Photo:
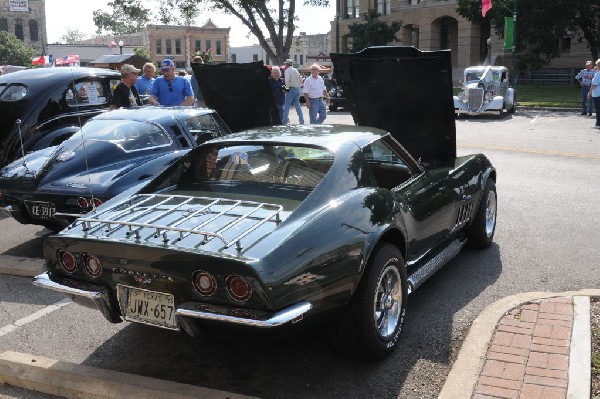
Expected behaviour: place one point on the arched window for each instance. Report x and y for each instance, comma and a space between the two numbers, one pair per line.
19, 29
33, 30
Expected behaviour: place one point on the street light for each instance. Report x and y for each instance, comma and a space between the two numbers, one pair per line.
121, 46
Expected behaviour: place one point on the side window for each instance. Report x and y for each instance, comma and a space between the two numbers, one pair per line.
388, 168
87, 92
378, 151
203, 128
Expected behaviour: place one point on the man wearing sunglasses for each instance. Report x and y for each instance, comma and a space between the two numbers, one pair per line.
170, 89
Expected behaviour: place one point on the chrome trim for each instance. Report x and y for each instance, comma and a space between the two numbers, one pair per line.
291, 314
490, 214
434, 264
94, 294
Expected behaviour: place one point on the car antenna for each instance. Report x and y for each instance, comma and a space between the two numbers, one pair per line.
18, 122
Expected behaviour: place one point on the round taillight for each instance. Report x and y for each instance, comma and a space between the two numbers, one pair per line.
204, 283
82, 202
92, 265
67, 261
238, 288
97, 202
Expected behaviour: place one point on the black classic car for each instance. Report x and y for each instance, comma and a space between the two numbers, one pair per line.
111, 153
276, 227
51, 102
337, 99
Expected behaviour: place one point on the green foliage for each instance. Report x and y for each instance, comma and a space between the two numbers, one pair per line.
372, 32
178, 12
73, 36
596, 356
541, 25
142, 52
205, 55
128, 16
13, 51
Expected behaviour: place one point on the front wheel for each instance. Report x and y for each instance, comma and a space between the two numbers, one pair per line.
371, 324
481, 232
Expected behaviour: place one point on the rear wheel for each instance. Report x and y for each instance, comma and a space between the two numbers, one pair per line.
513, 108
333, 107
371, 324
481, 232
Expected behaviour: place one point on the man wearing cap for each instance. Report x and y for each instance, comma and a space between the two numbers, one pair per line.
292, 82
125, 94
584, 77
170, 89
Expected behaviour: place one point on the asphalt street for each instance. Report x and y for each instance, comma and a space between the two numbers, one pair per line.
546, 240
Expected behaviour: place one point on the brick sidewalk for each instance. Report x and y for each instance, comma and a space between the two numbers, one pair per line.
528, 357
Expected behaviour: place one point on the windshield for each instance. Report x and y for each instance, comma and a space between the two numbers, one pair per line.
129, 135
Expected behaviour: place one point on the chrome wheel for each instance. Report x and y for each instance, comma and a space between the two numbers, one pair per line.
387, 303
490, 214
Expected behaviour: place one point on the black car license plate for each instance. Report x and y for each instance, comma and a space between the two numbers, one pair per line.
41, 210
149, 307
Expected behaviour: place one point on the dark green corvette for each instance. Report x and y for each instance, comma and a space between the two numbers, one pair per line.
276, 226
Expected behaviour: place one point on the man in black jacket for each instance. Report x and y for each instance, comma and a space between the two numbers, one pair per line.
126, 95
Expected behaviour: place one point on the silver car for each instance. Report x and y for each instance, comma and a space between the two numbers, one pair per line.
486, 88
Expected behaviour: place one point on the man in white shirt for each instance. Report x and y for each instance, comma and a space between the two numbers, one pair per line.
316, 95
292, 82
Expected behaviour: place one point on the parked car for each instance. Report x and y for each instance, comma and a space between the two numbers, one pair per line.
57, 98
109, 154
486, 89
336, 97
277, 227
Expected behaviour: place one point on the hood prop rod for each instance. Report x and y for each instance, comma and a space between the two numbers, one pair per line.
18, 122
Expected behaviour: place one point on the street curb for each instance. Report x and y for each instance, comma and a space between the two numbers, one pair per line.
75, 381
19, 266
465, 372
580, 359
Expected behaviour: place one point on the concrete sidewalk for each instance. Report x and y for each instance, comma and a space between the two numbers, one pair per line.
526, 346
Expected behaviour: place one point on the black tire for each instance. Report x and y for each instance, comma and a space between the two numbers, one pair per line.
333, 108
513, 108
369, 327
481, 232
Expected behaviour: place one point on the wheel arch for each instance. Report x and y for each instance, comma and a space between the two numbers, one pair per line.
391, 235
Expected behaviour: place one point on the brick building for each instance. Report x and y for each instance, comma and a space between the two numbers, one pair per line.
26, 19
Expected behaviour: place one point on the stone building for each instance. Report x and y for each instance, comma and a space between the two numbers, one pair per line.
308, 49
26, 19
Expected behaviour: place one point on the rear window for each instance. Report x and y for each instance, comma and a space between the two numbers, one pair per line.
13, 92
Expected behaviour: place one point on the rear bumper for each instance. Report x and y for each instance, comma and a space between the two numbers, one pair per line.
91, 295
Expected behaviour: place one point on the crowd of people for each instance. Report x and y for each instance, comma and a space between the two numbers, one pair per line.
589, 80
173, 88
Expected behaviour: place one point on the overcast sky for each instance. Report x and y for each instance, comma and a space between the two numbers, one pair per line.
77, 14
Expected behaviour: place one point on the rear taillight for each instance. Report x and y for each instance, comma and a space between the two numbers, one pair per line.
238, 288
67, 261
204, 283
97, 202
92, 265
82, 202
1, 197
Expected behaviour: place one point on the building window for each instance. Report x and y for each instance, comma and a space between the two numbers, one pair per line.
301, 59
180, 64
19, 29
414, 2
414, 37
383, 7
4, 24
295, 58
168, 47
444, 37
198, 45
158, 46
33, 30
177, 46
218, 43
254, 57
352, 9
565, 44
208, 45
233, 58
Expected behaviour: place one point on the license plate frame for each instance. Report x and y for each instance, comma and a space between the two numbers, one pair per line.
41, 209
144, 306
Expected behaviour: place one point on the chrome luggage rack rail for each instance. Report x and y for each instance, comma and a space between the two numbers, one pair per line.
130, 211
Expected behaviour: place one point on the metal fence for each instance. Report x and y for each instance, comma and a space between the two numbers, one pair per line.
549, 76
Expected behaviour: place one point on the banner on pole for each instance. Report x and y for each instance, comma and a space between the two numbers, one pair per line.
509, 31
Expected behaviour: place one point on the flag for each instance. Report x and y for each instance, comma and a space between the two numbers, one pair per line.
509, 29
486, 5
38, 60
112, 44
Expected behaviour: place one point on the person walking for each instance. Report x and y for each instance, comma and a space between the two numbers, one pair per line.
594, 93
292, 82
144, 82
125, 94
276, 84
584, 77
314, 93
170, 89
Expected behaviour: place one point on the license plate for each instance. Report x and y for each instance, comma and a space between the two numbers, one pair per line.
148, 307
41, 210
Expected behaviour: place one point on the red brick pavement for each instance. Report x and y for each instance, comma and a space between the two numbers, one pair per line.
528, 357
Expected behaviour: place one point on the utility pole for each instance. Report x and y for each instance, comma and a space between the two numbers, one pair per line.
514, 46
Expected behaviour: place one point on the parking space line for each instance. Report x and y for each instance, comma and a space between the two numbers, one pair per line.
524, 150
33, 317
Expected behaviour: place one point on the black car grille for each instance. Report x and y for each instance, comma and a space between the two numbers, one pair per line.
475, 97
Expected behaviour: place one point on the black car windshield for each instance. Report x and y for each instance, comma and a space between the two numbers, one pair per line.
129, 135
13, 92
270, 163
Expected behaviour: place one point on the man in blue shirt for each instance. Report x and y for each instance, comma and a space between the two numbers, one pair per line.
144, 83
584, 77
170, 89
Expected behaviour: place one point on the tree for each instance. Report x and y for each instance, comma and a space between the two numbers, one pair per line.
128, 16
541, 25
73, 36
372, 32
142, 52
13, 51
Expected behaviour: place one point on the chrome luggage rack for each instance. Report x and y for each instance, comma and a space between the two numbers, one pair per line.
181, 208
